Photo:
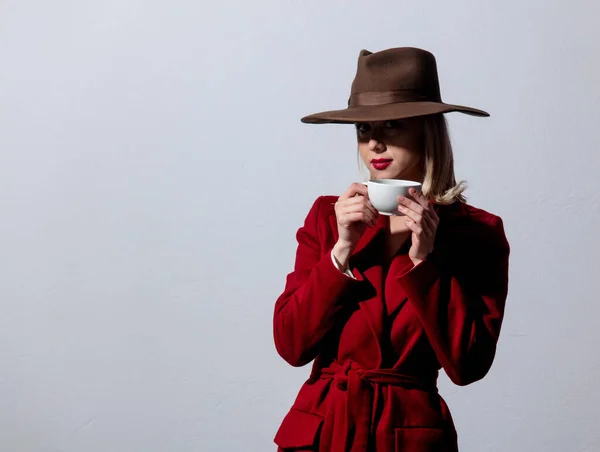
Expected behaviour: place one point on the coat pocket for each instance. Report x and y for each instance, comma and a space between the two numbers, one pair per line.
299, 430
423, 439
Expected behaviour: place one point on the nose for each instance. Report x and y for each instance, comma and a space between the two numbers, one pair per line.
376, 145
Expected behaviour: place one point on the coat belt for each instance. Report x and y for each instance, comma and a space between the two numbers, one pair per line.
350, 413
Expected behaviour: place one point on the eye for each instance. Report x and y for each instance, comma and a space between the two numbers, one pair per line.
395, 124
363, 127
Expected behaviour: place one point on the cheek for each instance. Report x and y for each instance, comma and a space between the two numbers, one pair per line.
407, 164
405, 157
363, 151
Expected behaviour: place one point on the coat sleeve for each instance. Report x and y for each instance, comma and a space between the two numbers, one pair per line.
307, 308
461, 304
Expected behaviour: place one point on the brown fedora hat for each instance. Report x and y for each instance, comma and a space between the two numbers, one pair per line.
393, 84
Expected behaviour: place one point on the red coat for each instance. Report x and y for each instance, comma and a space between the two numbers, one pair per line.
379, 341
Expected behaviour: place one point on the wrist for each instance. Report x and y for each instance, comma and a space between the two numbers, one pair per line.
341, 252
416, 261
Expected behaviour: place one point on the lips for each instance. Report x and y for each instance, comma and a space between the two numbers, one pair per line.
381, 164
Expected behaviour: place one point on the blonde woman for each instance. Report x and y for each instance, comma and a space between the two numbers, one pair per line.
381, 303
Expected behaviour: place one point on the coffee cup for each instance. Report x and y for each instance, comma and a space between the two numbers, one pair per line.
383, 193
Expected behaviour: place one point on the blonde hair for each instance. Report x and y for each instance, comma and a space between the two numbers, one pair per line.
439, 182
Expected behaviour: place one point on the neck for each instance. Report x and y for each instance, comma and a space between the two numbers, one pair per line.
397, 235
397, 226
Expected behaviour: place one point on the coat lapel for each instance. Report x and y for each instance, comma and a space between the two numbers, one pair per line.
366, 263
369, 235
395, 297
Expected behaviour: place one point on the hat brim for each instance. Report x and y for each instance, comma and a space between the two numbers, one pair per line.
387, 112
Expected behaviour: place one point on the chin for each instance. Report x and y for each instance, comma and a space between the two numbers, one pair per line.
385, 174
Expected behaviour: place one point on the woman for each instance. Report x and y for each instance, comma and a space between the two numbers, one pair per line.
382, 303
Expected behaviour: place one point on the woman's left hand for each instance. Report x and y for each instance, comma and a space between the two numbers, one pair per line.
422, 221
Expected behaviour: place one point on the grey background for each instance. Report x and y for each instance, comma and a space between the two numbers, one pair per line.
153, 173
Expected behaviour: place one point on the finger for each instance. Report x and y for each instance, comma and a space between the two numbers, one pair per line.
358, 208
359, 200
417, 218
423, 207
433, 215
369, 206
355, 217
425, 220
429, 214
414, 227
420, 221
412, 205
355, 189
429, 220
419, 197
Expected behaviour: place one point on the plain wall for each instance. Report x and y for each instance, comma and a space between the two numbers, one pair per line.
153, 173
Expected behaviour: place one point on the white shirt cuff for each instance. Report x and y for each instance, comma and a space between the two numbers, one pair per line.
346, 272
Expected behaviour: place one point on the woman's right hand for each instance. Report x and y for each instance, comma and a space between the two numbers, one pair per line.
354, 213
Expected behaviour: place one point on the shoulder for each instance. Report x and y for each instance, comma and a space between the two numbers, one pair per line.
319, 220
474, 225
322, 208
467, 213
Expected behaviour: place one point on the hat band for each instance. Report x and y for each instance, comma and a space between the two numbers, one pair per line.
385, 97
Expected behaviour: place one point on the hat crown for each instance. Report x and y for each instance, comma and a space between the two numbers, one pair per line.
396, 83
399, 69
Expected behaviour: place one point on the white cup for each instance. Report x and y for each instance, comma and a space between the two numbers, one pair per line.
383, 193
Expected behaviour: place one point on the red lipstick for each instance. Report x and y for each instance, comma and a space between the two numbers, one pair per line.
381, 164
